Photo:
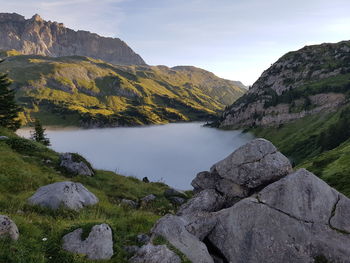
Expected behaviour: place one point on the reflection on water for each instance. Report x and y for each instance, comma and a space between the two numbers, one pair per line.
172, 153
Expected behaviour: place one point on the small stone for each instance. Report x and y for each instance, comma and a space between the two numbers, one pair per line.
75, 167
145, 180
174, 192
129, 203
8, 228
147, 199
155, 254
143, 238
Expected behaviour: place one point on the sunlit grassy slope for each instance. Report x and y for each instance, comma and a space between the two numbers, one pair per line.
23, 169
87, 92
319, 143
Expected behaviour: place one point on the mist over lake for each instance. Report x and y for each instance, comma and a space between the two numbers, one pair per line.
172, 153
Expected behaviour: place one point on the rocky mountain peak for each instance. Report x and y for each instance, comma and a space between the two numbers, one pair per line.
8, 17
39, 37
37, 18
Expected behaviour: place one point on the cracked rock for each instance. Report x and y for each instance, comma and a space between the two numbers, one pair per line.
341, 215
98, 245
254, 164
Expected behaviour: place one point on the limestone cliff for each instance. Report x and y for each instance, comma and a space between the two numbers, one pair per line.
40, 37
305, 82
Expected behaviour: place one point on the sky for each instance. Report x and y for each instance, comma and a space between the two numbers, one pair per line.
235, 39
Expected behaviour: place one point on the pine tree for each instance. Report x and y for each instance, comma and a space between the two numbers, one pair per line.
8, 107
39, 133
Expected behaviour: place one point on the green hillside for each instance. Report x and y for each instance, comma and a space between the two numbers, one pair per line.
86, 92
319, 143
24, 167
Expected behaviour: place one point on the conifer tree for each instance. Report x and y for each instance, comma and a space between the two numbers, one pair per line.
8, 107
39, 133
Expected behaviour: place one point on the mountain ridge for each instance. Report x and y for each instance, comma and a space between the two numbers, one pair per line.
40, 37
305, 82
82, 91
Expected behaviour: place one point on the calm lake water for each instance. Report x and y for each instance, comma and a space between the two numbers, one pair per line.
172, 153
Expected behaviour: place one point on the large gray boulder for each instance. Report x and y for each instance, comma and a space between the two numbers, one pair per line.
8, 228
75, 165
254, 164
98, 245
288, 221
155, 254
252, 208
63, 194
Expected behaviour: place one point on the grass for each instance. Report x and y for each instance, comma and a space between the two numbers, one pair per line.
23, 170
299, 140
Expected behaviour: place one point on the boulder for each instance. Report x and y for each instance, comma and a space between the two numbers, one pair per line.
288, 221
205, 180
177, 200
98, 245
129, 203
254, 164
205, 201
8, 228
155, 254
251, 208
173, 229
75, 164
147, 199
171, 192
63, 194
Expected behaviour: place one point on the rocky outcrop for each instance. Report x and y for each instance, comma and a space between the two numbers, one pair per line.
63, 194
8, 228
155, 254
74, 164
40, 37
301, 83
267, 213
98, 245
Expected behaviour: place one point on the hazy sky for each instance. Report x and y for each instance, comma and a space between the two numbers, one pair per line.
235, 39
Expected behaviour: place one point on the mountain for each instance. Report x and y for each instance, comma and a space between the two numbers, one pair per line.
40, 37
301, 104
92, 93
305, 82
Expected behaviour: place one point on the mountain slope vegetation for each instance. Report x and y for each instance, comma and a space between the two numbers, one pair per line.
301, 104
82, 91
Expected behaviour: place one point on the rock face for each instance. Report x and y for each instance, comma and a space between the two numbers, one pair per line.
155, 254
98, 245
287, 90
39, 37
66, 194
8, 228
76, 167
251, 207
